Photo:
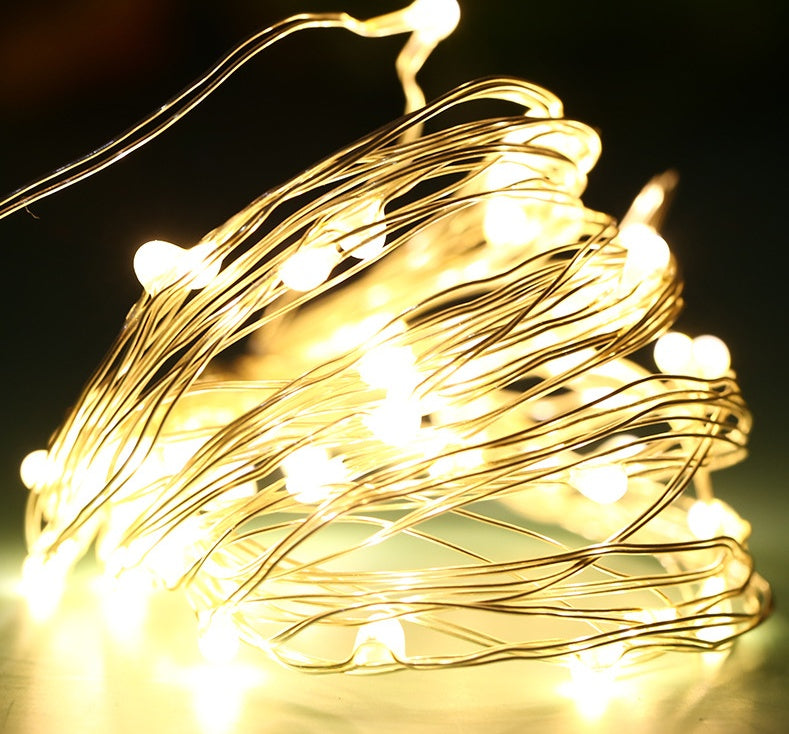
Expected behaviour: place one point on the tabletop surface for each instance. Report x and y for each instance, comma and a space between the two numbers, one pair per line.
80, 672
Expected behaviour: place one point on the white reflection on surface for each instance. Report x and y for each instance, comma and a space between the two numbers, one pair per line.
82, 673
217, 691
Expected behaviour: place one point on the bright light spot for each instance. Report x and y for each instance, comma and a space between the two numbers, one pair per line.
218, 692
705, 356
389, 367
366, 217
711, 357
647, 253
173, 553
308, 267
396, 421
603, 483
42, 585
433, 19
311, 473
705, 519
159, 264
34, 469
673, 353
507, 223
593, 679
218, 640
124, 603
648, 201
716, 631
380, 642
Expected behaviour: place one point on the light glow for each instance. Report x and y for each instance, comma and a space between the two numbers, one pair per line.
218, 640
442, 340
379, 643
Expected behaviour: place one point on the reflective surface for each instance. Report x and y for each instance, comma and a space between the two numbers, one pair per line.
83, 671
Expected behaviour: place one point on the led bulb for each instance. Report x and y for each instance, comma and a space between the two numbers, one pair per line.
433, 19
389, 367
159, 264
396, 421
311, 473
673, 353
603, 483
308, 267
593, 677
380, 642
34, 468
711, 357
218, 641
366, 217
507, 223
647, 254
42, 586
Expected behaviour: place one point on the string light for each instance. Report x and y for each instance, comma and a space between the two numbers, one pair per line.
438, 450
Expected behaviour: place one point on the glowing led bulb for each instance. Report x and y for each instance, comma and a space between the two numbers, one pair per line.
366, 217
379, 642
311, 473
396, 421
42, 586
218, 640
711, 358
647, 253
159, 264
34, 468
507, 223
389, 367
308, 267
433, 19
593, 677
673, 353
603, 483
705, 356
44, 576
124, 602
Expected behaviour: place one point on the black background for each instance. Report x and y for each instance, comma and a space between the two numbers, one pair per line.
695, 86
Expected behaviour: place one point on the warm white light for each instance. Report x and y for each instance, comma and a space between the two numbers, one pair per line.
647, 254
390, 368
507, 223
44, 578
159, 264
433, 19
308, 267
34, 468
380, 642
311, 473
396, 421
442, 414
705, 356
604, 483
593, 679
711, 357
218, 640
124, 602
673, 353
360, 231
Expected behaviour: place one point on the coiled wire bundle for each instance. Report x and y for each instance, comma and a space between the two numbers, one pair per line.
437, 449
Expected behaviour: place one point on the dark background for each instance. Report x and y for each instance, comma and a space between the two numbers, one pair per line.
696, 86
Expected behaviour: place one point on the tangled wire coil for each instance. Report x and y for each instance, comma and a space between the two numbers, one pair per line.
436, 450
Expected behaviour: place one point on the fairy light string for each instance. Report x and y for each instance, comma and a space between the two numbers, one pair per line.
437, 450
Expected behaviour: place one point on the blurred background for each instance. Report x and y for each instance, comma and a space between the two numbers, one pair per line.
694, 85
